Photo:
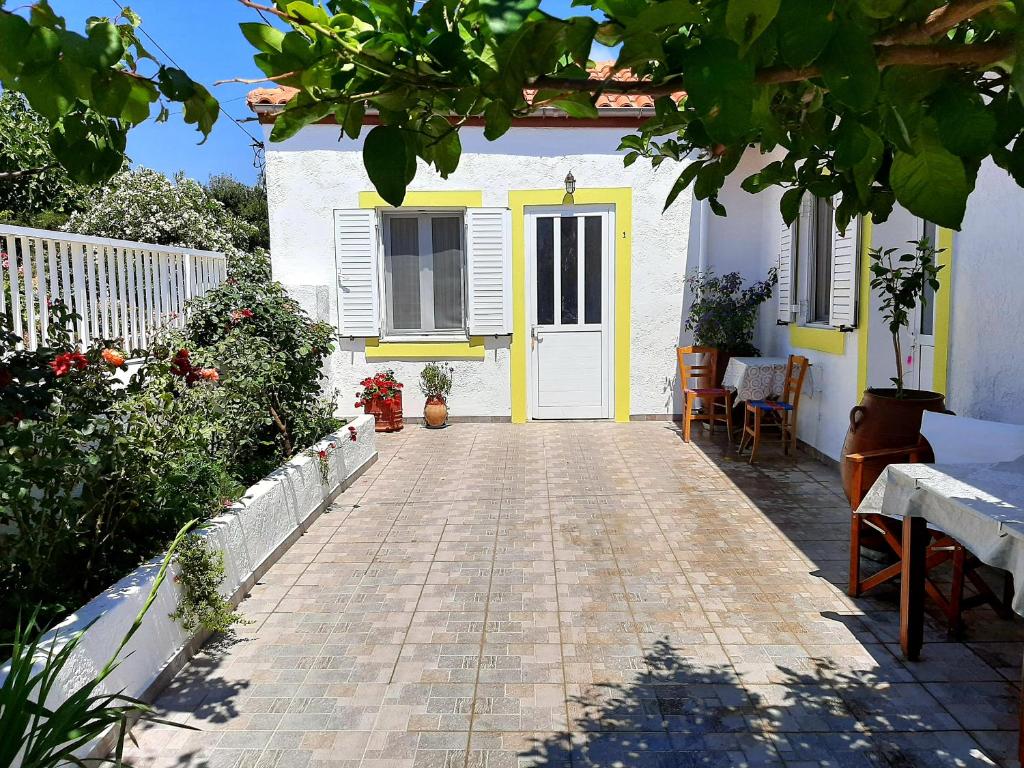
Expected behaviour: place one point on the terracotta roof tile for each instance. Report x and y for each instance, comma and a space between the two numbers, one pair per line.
280, 95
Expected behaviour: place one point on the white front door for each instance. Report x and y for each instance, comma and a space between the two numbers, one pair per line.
921, 368
570, 300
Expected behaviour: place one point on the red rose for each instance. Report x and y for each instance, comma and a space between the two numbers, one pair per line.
63, 363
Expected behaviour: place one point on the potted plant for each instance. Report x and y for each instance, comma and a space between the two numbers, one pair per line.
382, 397
436, 385
723, 314
890, 417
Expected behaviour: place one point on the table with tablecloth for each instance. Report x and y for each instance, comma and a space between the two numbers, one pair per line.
979, 505
755, 378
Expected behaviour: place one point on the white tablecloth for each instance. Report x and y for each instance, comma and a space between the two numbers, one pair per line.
755, 378
980, 505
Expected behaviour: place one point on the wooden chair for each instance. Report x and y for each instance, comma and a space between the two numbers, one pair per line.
702, 373
782, 412
885, 534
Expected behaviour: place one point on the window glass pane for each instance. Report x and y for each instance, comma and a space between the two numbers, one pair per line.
822, 259
403, 266
545, 271
570, 270
446, 241
592, 269
927, 312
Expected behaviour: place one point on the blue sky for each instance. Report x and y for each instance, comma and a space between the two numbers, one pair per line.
205, 41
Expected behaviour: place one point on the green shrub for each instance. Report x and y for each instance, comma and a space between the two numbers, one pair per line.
200, 574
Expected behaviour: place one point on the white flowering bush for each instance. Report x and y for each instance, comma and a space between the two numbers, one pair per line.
143, 204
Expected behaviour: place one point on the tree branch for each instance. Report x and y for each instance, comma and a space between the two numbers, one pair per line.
970, 55
937, 22
4, 175
255, 80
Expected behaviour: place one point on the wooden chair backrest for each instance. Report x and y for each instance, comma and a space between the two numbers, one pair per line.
703, 372
796, 370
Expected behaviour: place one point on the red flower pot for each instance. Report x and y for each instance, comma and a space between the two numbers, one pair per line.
387, 413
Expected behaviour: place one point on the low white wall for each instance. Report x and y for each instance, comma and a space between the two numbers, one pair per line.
252, 534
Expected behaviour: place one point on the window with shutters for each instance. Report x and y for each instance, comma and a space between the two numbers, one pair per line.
817, 234
424, 274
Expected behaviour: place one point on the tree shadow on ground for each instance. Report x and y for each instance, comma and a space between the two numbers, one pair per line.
681, 713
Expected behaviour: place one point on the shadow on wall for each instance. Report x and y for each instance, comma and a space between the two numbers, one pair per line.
678, 711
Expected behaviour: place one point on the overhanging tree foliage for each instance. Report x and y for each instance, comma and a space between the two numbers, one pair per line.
873, 101
92, 88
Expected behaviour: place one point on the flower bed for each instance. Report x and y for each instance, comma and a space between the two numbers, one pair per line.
252, 534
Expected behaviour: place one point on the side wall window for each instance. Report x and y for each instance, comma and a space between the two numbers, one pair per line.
820, 262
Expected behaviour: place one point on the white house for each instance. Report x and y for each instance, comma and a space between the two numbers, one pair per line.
551, 307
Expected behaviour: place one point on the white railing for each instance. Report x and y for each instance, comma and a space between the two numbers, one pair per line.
118, 288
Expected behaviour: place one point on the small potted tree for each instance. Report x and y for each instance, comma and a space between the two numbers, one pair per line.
436, 385
382, 397
723, 314
890, 417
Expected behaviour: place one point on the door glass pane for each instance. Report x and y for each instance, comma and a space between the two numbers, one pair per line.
446, 241
545, 271
592, 269
927, 312
403, 266
570, 270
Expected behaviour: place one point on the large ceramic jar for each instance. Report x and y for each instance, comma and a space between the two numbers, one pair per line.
883, 420
435, 412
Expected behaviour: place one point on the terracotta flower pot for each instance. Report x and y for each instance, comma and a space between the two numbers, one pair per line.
435, 412
387, 413
883, 420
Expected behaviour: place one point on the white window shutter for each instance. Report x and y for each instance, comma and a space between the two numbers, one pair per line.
787, 270
843, 298
355, 249
489, 260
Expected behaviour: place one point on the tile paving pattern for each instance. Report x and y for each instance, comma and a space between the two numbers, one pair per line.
585, 595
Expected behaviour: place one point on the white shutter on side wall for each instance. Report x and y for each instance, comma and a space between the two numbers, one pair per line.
489, 260
355, 249
787, 270
843, 299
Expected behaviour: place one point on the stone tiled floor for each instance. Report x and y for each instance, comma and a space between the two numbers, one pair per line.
582, 594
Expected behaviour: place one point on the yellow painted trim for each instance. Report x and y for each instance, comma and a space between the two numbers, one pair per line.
438, 199
826, 340
622, 200
943, 308
472, 349
864, 321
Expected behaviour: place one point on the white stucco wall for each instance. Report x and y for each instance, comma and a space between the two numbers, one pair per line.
312, 174
986, 360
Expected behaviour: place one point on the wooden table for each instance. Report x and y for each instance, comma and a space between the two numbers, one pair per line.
980, 505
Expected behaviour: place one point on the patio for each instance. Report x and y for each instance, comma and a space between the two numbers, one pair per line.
584, 594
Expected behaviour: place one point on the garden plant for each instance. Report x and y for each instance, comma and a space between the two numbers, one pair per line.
723, 314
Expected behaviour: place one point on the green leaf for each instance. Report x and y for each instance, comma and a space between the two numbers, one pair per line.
745, 20
790, 205
262, 37
881, 9
105, 44
350, 118
805, 28
386, 158
506, 16
850, 69
664, 15
640, 49
932, 183
720, 87
685, 178
578, 105
965, 126
14, 35
497, 120
175, 84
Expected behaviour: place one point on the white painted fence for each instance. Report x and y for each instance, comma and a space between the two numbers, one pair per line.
119, 289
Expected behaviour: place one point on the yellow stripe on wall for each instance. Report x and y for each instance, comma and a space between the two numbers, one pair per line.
943, 309
621, 198
864, 319
471, 349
